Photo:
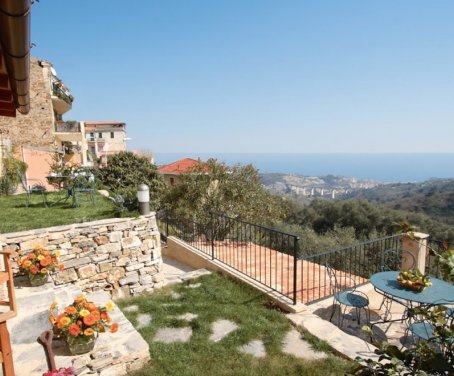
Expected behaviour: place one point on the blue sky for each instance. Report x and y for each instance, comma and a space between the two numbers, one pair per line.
205, 76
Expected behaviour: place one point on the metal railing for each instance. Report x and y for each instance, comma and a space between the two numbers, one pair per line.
435, 248
67, 126
266, 255
353, 264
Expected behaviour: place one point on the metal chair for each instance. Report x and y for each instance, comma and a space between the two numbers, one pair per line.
347, 296
83, 183
36, 188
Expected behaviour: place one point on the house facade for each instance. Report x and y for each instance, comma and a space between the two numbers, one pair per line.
171, 173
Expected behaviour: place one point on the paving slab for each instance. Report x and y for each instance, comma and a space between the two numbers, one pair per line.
293, 344
187, 316
131, 308
194, 285
171, 335
222, 328
143, 320
255, 348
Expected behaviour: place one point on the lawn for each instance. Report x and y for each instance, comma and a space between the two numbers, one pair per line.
15, 216
218, 297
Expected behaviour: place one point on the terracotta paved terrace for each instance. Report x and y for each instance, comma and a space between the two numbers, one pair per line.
275, 269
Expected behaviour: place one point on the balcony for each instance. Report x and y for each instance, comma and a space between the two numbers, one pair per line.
68, 131
61, 98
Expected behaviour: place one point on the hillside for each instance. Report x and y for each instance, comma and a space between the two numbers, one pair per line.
433, 197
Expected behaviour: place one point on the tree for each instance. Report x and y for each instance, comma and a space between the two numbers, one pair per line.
213, 187
125, 171
12, 174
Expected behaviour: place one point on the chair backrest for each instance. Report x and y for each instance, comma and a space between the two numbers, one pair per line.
333, 285
394, 258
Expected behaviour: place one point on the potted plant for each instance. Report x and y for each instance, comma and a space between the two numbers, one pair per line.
37, 265
80, 323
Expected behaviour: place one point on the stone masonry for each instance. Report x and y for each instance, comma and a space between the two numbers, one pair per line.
35, 128
121, 256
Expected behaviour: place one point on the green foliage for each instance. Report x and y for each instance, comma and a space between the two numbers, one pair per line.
368, 220
213, 187
12, 174
423, 358
123, 174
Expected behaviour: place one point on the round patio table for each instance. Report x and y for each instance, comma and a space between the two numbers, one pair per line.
441, 292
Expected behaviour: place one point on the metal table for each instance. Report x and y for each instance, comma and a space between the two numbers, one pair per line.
385, 283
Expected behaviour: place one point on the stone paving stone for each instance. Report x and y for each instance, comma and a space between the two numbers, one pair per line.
143, 320
293, 344
222, 328
131, 308
194, 285
170, 335
187, 316
255, 348
175, 295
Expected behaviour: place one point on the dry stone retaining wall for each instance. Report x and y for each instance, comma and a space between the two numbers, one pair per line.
122, 256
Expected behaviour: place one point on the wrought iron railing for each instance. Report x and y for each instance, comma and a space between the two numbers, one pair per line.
353, 264
266, 255
67, 126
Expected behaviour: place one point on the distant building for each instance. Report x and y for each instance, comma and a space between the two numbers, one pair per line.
104, 138
172, 172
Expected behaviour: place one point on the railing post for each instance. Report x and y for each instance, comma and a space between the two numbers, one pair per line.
416, 245
295, 267
167, 227
212, 234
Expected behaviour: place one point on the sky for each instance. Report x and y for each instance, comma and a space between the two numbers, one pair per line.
258, 76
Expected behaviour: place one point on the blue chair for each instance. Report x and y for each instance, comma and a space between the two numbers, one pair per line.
347, 296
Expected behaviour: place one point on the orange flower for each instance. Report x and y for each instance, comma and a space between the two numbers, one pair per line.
52, 319
114, 327
45, 262
89, 320
70, 310
31, 256
90, 306
44, 271
89, 332
80, 299
34, 269
74, 329
60, 267
105, 316
63, 321
100, 327
26, 263
52, 306
84, 312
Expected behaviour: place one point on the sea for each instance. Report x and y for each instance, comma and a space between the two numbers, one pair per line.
384, 168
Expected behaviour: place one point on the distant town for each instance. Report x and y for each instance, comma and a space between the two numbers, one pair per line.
329, 186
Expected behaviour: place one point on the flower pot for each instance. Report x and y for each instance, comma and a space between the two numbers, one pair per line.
80, 344
37, 279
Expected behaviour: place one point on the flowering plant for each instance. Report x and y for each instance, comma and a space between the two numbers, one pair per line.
82, 319
40, 261
63, 371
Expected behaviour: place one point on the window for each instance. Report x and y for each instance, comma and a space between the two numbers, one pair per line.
92, 136
100, 135
112, 135
172, 181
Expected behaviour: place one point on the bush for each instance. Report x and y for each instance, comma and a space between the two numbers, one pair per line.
12, 174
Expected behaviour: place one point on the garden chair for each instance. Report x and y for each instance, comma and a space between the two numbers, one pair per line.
347, 296
392, 260
83, 183
36, 187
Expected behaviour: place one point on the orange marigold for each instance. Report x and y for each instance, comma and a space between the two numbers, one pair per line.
70, 310
60, 267
52, 319
89, 332
45, 261
43, 271
100, 327
33, 269
74, 330
63, 322
89, 320
105, 316
90, 306
114, 327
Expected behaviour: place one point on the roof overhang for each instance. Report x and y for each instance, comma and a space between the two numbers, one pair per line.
15, 18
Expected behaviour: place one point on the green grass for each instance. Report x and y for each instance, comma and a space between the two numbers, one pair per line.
15, 216
221, 298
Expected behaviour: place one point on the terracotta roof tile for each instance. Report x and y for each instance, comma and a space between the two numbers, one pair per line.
179, 167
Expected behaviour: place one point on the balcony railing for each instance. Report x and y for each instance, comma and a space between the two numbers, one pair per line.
67, 126
60, 91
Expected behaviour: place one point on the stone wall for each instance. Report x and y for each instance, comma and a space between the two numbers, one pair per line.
35, 128
122, 256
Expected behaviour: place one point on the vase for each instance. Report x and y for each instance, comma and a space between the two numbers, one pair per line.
37, 279
80, 344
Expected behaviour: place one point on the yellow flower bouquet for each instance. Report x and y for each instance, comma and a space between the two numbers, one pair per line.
38, 263
80, 323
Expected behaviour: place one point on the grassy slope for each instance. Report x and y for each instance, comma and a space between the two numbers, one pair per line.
221, 298
15, 216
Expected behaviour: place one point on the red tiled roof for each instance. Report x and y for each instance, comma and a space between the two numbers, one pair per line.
179, 167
